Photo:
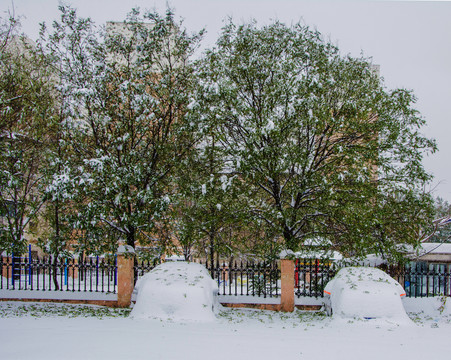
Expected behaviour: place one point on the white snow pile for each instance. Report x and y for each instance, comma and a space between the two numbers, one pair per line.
179, 291
432, 307
365, 293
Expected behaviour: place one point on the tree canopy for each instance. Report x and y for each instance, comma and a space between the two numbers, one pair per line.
327, 150
269, 139
26, 107
126, 89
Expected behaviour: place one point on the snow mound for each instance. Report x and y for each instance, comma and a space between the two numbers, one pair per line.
433, 307
179, 291
368, 293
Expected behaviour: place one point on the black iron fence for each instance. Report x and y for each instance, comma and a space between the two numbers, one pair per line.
141, 267
251, 278
424, 280
311, 276
418, 279
259, 279
83, 274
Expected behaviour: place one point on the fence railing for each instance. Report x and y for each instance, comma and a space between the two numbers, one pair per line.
141, 267
424, 280
311, 276
87, 275
251, 278
418, 279
258, 279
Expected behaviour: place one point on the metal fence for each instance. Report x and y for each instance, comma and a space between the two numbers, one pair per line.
141, 267
311, 276
418, 279
251, 278
424, 280
84, 274
259, 279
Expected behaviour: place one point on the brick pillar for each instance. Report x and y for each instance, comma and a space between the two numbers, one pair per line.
287, 288
7, 269
125, 275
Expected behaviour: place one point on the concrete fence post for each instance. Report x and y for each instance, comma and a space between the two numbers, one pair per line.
7, 270
287, 288
125, 275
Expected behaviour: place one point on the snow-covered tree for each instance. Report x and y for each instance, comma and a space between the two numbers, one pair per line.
326, 150
126, 91
59, 189
25, 106
207, 216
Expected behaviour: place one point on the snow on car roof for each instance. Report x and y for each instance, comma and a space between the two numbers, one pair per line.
177, 291
364, 292
365, 276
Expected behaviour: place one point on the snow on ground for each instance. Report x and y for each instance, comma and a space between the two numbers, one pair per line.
178, 291
61, 331
435, 311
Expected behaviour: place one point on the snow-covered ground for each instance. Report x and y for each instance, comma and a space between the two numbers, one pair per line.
58, 331
169, 322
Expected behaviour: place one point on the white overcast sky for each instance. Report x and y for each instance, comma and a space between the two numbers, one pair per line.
410, 40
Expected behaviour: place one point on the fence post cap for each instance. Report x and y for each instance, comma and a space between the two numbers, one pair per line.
125, 250
287, 254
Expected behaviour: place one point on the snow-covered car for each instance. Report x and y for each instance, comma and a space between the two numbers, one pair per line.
177, 290
363, 292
